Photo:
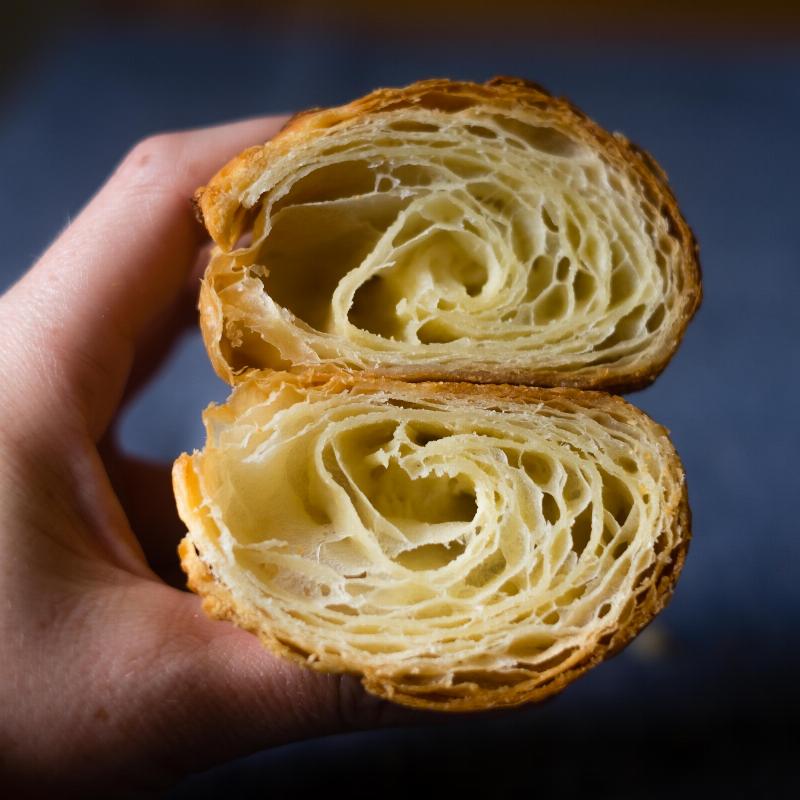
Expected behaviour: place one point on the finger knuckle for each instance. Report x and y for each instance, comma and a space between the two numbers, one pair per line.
148, 159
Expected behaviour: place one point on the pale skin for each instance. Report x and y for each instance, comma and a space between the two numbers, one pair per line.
109, 675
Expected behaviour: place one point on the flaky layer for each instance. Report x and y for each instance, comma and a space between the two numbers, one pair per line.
460, 547
448, 230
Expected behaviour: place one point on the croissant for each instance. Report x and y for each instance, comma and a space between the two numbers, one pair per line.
471, 542
458, 546
448, 230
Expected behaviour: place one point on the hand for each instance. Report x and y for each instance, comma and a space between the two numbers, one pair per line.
110, 676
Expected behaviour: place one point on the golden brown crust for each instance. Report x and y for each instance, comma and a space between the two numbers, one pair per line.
226, 216
652, 592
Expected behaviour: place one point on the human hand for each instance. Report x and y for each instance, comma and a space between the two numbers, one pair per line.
110, 676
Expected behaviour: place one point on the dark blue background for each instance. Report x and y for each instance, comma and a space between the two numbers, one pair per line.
703, 699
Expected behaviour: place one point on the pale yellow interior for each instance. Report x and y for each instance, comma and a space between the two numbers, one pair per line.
419, 235
429, 537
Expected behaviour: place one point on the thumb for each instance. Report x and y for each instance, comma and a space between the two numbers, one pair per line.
228, 696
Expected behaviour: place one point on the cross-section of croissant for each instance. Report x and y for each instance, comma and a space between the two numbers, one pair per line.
458, 546
448, 230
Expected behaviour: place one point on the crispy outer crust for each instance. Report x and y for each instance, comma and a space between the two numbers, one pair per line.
220, 206
652, 593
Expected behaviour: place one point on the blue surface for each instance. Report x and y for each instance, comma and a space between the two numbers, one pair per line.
724, 655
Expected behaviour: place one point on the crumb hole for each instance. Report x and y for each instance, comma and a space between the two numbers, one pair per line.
413, 126
550, 509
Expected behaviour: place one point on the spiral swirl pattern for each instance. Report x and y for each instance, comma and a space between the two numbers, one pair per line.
456, 547
481, 241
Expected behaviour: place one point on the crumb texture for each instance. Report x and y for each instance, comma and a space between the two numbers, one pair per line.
450, 231
458, 546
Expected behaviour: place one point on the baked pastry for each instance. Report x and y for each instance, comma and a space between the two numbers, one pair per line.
459, 546
448, 230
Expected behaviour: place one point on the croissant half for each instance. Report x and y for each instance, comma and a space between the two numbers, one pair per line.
460, 547
448, 230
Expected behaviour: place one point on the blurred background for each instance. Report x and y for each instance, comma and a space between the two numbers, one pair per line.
706, 700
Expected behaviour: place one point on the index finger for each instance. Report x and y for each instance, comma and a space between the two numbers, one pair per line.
123, 261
